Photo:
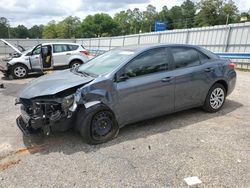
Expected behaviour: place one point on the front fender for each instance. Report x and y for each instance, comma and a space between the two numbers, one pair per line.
95, 93
15, 61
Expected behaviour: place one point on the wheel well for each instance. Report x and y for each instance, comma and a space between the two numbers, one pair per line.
20, 64
224, 83
76, 60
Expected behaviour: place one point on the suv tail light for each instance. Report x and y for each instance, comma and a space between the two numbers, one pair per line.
85, 52
231, 65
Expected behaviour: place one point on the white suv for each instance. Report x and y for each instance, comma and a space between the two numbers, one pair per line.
46, 56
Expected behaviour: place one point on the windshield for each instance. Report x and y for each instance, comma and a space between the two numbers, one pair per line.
106, 62
26, 52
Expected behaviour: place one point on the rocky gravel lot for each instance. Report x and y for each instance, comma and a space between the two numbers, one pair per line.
157, 153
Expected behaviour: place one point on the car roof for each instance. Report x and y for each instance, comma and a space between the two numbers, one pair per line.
149, 46
144, 47
69, 43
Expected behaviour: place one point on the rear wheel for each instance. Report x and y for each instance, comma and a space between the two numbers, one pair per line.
97, 125
19, 71
74, 64
215, 98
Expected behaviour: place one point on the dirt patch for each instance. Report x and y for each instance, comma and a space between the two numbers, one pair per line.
8, 164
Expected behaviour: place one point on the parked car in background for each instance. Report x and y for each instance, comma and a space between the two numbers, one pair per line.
42, 57
123, 86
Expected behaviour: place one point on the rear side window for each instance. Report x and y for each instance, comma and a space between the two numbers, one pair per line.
72, 47
186, 57
57, 48
151, 61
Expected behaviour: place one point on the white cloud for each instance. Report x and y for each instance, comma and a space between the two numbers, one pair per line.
31, 12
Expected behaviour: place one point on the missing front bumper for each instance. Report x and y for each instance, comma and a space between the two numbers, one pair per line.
24, 127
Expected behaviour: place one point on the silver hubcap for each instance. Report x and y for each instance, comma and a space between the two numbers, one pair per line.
217, 98
20, 72
75, 65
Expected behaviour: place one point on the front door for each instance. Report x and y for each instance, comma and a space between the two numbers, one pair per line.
36, 59
149, 89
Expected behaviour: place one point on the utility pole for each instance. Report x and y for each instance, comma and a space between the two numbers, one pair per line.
227, 19
9, 31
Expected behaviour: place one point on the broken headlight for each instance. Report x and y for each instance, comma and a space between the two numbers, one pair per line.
68, 101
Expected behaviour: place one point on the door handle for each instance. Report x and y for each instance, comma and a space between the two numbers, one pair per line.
36, 57
208, 69
68, 53
166, 79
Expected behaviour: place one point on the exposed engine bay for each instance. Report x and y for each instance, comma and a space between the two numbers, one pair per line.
44, 113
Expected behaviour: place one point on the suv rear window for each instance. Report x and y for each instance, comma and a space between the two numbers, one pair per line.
72, 47
57, 48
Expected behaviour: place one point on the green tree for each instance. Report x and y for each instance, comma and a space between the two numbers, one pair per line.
188, 13
123, 22
4, 26
99, 25
49, 31
149, 17
177, 18
164, 16
230, 12
136, 21
20, 32
36, 31
215, 12
68, 28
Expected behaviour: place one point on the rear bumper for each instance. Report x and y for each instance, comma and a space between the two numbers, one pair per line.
231, 81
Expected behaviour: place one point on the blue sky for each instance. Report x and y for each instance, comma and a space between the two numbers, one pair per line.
31, 12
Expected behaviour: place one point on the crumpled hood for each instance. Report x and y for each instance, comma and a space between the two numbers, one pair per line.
53, 83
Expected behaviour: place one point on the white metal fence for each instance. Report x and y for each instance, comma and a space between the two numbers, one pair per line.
222, 38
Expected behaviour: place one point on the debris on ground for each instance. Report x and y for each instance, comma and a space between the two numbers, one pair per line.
192, 181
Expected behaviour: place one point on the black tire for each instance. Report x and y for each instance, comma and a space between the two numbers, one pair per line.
210, 104
19, 71
75, 63
87, 124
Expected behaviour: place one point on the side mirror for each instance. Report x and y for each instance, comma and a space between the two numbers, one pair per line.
122, 78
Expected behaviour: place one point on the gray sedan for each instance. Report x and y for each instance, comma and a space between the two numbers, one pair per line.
123, 86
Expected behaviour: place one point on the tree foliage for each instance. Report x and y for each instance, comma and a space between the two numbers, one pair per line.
189, 14
99, 25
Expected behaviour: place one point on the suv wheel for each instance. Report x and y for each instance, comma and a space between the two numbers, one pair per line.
215, 98
97, 125
19, 71
74, 64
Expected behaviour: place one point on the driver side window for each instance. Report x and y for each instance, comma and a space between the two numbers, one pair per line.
151, 61
37, 51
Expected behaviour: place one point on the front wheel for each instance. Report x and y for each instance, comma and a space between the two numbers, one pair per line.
19, 71
215, 98
97, 125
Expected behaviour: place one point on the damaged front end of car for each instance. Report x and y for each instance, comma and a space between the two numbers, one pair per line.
47, 113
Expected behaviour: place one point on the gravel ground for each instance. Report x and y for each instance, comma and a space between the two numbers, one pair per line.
155, 153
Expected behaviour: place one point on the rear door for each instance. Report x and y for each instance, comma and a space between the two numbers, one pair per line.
149, 89
60, 54
191, 77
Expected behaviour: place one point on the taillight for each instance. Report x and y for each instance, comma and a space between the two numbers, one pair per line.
85, 52
232, 65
